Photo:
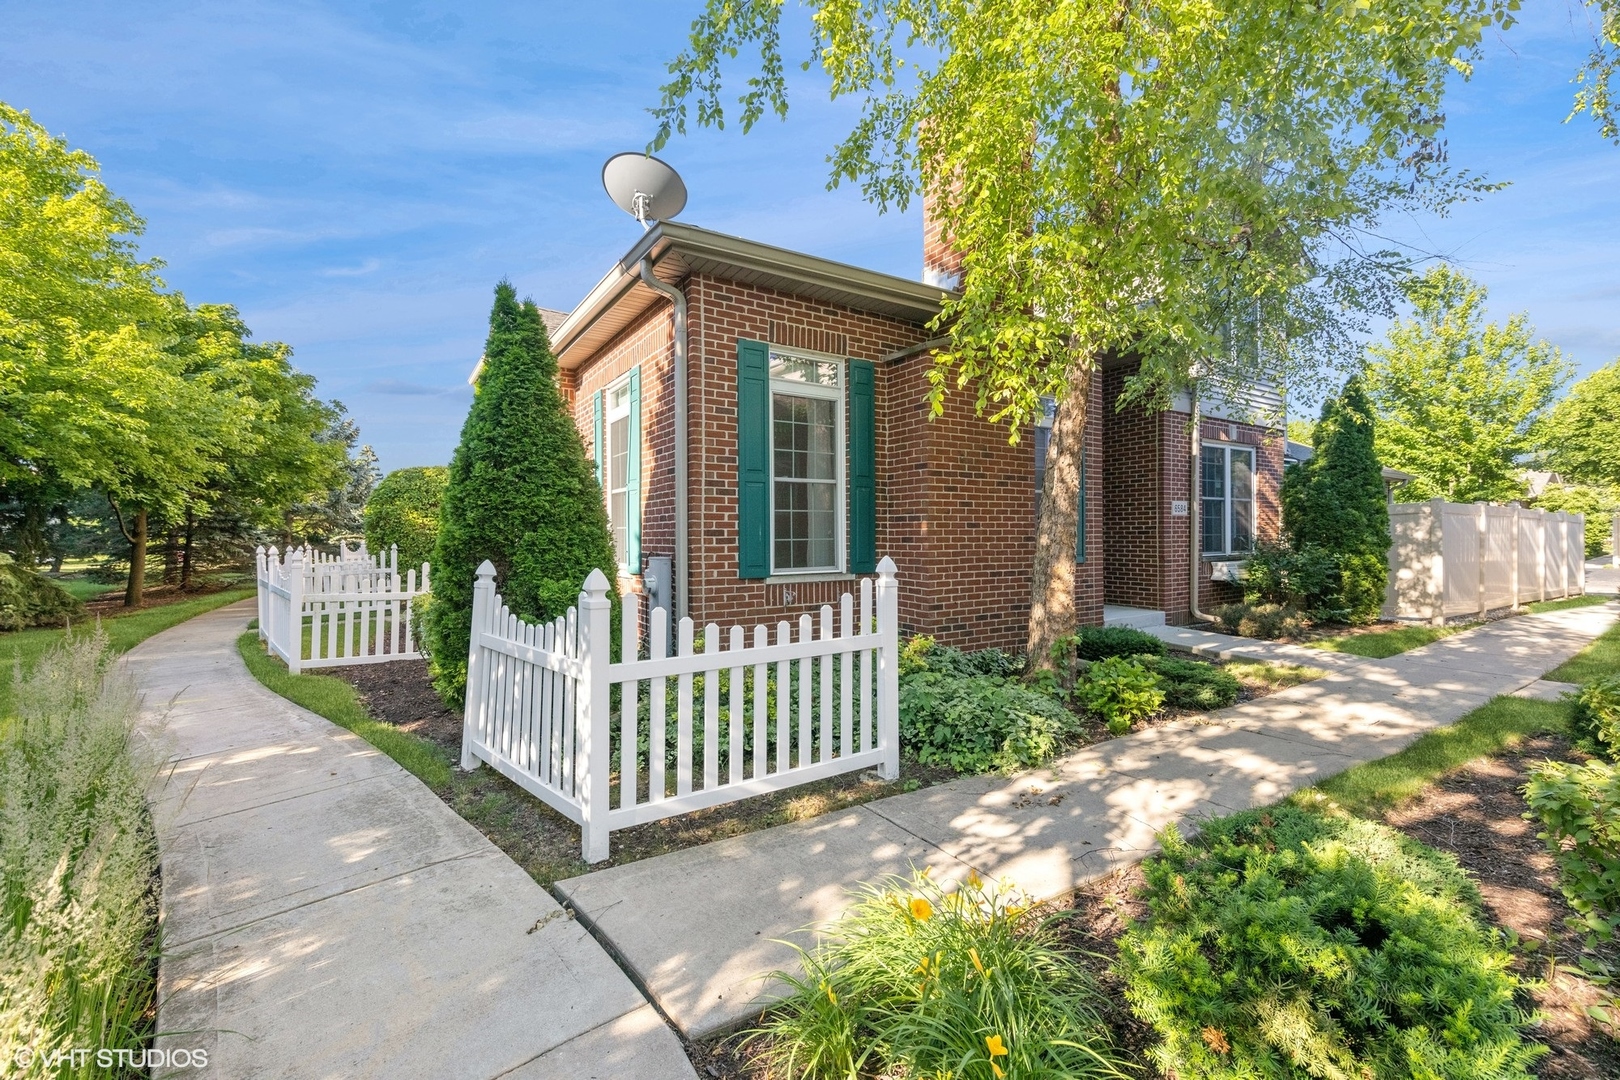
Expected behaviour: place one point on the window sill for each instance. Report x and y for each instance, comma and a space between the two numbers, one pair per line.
809, 576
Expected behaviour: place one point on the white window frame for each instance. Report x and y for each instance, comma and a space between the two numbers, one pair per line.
611, 414
1227, 450
837, 395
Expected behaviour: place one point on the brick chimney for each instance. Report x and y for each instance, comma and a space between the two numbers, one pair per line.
942, 263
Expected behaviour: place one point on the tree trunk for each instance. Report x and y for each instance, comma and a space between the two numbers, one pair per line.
185, 552
1052, 581
137, 560
171, 557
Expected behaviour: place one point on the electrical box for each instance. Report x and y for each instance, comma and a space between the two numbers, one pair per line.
658, 582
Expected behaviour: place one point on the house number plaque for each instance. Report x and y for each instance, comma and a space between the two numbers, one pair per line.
1178, 508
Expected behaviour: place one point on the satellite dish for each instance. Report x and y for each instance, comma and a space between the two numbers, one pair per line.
643, 187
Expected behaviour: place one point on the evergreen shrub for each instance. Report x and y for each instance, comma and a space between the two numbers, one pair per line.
1100, 642
29, 598
520, 493
404, 510
1191, 684
1267, 622
1334, 506
1120, 691
917, 981
1286, 944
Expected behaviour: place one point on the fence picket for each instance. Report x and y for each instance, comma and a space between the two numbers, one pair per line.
866, 667
824, 700
711, 710
807, 694
734, 719
784, 687
683, 715
657, 642
846, 689
761, 699
629, 740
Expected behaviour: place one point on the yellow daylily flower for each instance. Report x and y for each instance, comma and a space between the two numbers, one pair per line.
974, 879
921, 909
997, 1070
973, 954
832, 997
996, 1047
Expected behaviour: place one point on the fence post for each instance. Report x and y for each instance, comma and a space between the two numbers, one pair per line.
472, 713
1439, 582
888, 681
262, 579
295, 611
1513, 553
1580, 553
591, 716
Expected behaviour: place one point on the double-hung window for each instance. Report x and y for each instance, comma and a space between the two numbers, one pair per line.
1043, 441
618, 465
1226, 487
807, 464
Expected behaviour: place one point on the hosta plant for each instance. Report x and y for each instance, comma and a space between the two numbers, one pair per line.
1121, 691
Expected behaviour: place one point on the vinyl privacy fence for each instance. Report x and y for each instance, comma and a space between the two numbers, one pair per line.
318, 610
742, 712
1450, 559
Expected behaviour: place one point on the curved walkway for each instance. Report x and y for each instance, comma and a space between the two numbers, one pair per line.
700, 926
325, 915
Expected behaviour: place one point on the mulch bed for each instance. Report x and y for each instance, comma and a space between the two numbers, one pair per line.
1476, 814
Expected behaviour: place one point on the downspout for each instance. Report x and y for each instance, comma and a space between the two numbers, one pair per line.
682, 495
1195, 506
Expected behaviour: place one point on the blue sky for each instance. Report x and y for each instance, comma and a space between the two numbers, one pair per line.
356, 177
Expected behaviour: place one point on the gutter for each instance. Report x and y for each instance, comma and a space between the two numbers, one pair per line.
682, 495
1195, 506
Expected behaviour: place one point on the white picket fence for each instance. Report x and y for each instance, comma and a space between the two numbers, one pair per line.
541, 703
1450, 559
318, 610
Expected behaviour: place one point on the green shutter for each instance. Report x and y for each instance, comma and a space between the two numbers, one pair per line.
1080, 522
862, 468
753, 459
632, 482
601, 477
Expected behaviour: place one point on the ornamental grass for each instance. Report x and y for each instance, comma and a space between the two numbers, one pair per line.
921, 980
77, 864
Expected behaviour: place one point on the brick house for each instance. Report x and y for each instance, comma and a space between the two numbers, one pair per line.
808, 452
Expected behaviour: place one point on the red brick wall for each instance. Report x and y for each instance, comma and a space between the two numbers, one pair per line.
649, 342
956, 501
1148, 468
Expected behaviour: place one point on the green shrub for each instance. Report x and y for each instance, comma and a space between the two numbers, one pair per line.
1578, 806
923, 653
1334, 505
78, 857
29, 598
521, 493
1286, 944
916, 981
404, 511
977, 724
1265, 621
1595, 722
1279, 574
1120, 691
1100, 642
1191, 684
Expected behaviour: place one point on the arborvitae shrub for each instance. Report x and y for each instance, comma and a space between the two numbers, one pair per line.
1101, 642
521, 493
404, 510
1335, 503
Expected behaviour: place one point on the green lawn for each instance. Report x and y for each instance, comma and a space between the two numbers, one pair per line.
84, 590
124, 632
1372, 788
1589, 600
1379, 644
1598, 659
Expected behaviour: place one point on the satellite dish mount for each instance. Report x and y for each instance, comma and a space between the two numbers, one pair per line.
644, 187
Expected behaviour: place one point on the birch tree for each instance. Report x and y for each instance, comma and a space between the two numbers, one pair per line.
1188, 184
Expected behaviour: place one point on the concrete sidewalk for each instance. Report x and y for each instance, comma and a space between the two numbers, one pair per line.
697, 926
325, 915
